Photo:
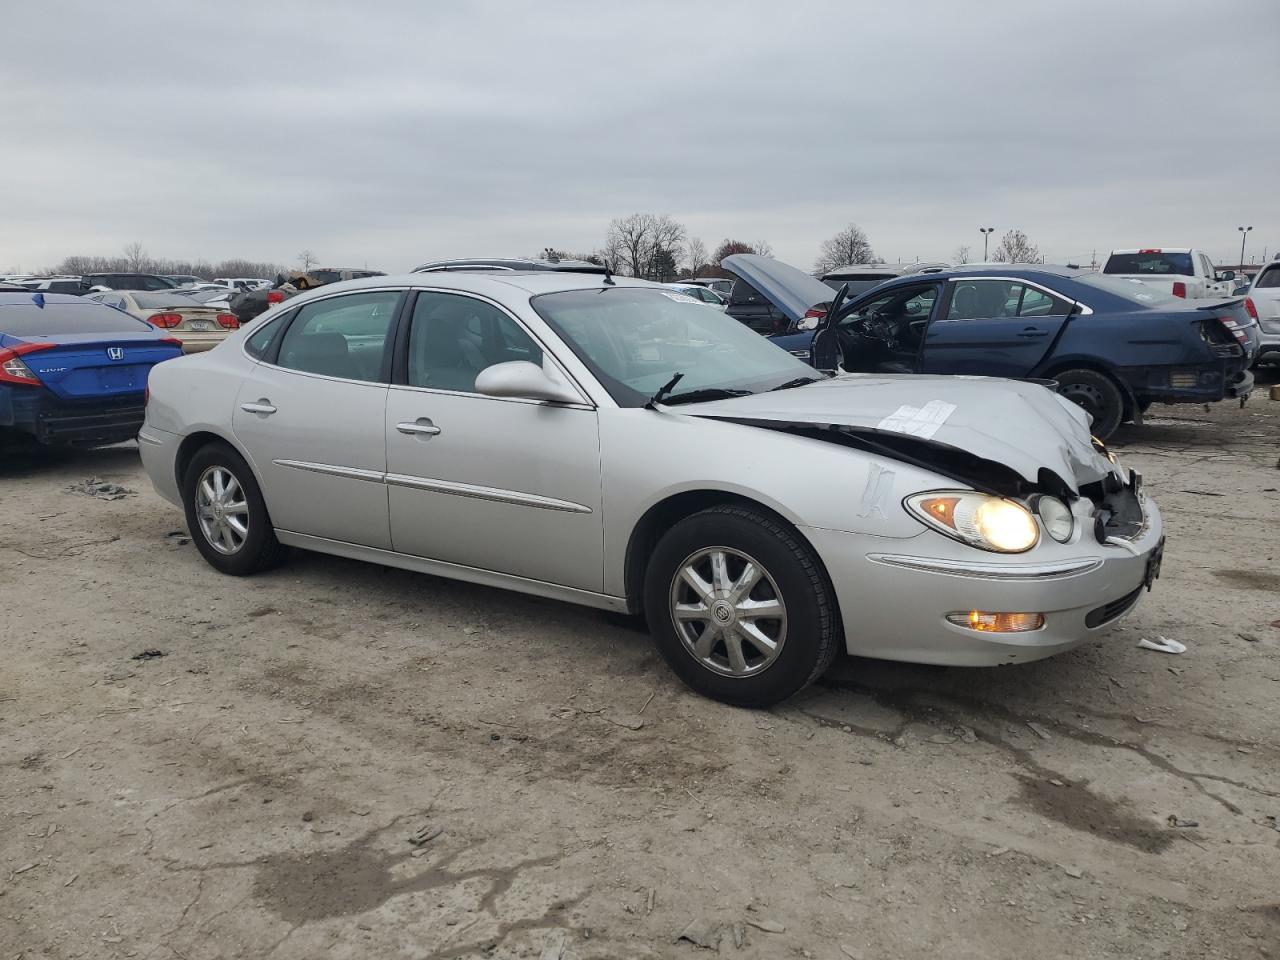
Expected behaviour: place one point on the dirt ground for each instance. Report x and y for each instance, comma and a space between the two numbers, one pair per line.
252, 792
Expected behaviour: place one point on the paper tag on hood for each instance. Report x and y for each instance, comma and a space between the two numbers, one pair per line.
921, 422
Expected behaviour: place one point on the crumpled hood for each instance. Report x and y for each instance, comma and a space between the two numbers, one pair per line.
1022, 425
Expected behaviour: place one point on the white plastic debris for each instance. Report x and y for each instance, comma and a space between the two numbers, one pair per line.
1163, 645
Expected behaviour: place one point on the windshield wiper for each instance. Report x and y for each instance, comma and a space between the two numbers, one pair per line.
663, 390
709, 393
797, 382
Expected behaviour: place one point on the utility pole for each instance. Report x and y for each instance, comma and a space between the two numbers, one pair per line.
986, 235
1244, 232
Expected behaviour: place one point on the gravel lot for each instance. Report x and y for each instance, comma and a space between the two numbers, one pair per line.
253, 791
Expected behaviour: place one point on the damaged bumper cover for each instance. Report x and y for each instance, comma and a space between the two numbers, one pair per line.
895, 600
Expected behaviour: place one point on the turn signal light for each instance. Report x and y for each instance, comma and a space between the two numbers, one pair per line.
275, 296
1250, 308
997, 622
228, 320
166, 321
1179, 289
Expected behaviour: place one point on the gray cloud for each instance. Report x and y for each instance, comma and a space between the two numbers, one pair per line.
390, 133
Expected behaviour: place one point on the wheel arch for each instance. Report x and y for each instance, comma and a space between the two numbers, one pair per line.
198, 439
670, 510
1057, 366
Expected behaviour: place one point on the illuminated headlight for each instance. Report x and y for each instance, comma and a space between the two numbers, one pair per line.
1057, 518
978, 519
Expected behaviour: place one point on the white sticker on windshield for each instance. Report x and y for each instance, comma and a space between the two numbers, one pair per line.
922, 422
679, 297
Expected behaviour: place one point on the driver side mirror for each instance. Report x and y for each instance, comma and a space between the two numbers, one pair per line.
1226, 275
525, 381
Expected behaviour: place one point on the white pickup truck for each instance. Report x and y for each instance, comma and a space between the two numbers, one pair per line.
1180, 271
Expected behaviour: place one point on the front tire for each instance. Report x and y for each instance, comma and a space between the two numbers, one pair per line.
1098, 394
740, 607
226, 514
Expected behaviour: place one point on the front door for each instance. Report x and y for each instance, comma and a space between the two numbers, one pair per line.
311, 416
993, 328
499, 484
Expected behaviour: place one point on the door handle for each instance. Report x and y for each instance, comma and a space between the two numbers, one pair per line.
1031, 332
422, 427
262, 406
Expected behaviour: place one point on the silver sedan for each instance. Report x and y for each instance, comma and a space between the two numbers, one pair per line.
616, 444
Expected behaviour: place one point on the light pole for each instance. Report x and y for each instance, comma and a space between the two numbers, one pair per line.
1244, 232
986, 235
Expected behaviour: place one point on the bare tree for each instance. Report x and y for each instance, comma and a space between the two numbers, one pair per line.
643, 244
848, 246
136, 259
762, 248
962, 253
695, 253
1016, 248
308, 260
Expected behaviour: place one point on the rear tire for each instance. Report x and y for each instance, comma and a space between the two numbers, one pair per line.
1097, 394
740, 607
226, 514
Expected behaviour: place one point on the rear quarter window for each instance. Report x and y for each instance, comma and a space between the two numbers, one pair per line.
1268, 278
53, 320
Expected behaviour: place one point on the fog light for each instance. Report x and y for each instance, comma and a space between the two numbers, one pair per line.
997, 622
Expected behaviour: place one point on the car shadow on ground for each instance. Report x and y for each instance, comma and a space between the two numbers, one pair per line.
39, 461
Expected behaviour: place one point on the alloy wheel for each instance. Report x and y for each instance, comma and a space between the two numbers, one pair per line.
728, 611
222, 510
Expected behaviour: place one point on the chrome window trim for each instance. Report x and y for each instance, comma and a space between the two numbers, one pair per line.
1085, 309
991, 571
404, 387
454, 488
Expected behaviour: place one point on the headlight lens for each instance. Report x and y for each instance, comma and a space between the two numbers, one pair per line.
1057, 518
978, 519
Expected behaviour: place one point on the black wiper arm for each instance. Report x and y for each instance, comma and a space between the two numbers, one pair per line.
797, 382
709, 393
663, 390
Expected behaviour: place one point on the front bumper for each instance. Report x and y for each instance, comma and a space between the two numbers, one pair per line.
894, 597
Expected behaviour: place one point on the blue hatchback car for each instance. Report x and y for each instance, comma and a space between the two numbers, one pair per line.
1113, 346
73, 371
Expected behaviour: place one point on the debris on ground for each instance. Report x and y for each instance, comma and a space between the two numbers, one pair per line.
1039, 730
178, 537
850, 952
424, 835
739, 935
1205, 493
149, 655
625, 720
553, 949
102, 489
1163, 645
768, 926
1249, 637
1073, 872
1175, 821
701, 933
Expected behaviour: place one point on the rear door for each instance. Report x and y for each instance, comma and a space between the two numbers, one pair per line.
311, 413
993, 327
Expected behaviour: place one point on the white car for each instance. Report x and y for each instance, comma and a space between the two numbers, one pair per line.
1263, 304
701, 294
242, 283
610, 442
1179, 271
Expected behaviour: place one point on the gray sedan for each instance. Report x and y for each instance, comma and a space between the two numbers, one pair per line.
613, 443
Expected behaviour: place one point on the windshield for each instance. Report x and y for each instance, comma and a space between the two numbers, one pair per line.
155, 301
1135, 291
635, 339
1155, 263
859, 284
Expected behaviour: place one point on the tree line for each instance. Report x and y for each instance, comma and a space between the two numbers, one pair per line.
645, 245
135, 259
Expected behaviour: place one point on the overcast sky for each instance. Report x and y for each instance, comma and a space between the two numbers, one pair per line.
393, 133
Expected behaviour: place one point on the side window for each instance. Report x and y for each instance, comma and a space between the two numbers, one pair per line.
903, 304
342, 337
1270, 277
1037, 303
453, 337
258, 345
984, 300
